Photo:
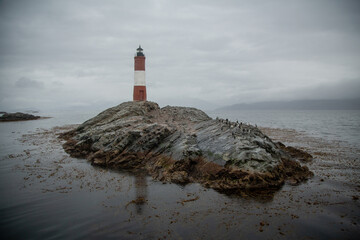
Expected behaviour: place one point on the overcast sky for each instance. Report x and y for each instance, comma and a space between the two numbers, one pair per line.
59, 54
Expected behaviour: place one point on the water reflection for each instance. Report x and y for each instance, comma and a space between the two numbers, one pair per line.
141, 192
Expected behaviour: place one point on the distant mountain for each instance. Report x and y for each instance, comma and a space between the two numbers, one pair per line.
327, 104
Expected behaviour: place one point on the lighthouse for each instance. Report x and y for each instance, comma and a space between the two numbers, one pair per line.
139, 76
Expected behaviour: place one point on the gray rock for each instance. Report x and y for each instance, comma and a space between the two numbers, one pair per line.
181, 145
7, 117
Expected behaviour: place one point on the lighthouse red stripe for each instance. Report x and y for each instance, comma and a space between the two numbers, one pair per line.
139, 93
139, 63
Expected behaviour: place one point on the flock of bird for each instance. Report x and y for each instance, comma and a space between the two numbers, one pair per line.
240, 127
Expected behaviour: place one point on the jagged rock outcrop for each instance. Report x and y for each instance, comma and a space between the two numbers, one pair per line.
7, 117
181, 145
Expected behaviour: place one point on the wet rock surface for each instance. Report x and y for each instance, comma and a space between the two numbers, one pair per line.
182, 145
7, 117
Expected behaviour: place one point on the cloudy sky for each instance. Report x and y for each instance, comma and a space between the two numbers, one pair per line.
60, 54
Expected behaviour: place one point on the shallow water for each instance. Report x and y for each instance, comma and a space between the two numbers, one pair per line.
47, 194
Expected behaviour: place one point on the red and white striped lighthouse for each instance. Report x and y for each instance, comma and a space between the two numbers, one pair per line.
139, 76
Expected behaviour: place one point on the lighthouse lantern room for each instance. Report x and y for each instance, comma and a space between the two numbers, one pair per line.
139, 76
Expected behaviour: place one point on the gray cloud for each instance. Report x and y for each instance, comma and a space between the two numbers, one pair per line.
24, 82
198, 52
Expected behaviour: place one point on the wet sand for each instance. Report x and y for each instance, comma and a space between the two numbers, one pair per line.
49, 194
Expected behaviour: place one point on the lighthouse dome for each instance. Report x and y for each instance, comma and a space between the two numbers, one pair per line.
139, 51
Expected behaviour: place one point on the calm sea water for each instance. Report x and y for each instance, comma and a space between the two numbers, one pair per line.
10, 132
47, 195
332, 125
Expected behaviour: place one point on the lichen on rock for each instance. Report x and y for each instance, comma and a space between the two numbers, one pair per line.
182, 145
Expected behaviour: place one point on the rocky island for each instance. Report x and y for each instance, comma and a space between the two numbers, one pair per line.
183, 145
18, 116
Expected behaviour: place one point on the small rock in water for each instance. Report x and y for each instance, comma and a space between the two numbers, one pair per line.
7, 117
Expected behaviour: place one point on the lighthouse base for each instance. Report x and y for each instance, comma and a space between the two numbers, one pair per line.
139, 93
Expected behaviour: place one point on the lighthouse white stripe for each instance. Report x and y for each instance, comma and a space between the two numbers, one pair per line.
139, 78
